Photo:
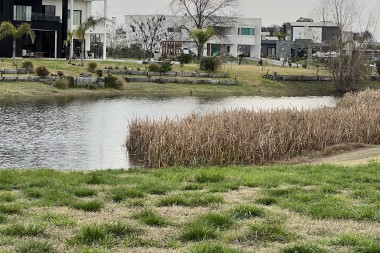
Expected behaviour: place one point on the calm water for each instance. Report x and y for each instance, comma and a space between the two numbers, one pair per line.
90, 134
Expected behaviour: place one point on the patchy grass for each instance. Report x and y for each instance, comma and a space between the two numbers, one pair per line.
249, 76
304, 208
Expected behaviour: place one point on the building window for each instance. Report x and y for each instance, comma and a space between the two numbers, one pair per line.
174, 29
49, 10
247, 31
77, 17
22, 13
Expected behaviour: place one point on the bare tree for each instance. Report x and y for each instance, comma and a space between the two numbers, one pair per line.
205, 13
150, 31
349, 67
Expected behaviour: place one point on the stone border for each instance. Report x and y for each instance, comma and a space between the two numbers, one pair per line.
309, 78
172, 74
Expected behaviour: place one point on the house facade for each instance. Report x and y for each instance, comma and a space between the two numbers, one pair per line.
306, 37
49, 19
235, 37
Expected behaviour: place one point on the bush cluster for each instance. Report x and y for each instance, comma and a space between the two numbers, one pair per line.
28, 65
114, 82
62, 83
209, 63
154, 67
42, 71
91, 66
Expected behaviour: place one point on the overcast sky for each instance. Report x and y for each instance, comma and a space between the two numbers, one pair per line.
271, 11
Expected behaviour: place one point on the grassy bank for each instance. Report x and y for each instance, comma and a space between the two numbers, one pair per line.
249, 137
232, 209
250, 80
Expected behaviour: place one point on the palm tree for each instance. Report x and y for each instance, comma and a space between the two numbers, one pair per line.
8, 29
81, 30
201, 36
67, 43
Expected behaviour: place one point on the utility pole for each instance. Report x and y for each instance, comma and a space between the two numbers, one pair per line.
105, 31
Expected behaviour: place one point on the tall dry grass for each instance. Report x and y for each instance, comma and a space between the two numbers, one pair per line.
247, 137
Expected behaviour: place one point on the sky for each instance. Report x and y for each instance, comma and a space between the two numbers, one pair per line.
271, 11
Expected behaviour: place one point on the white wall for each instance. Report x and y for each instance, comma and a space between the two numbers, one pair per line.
312, 33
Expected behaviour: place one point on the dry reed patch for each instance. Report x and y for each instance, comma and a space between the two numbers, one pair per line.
242, 137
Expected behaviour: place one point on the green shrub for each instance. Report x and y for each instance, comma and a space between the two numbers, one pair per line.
42, 71
210, 64
166, 67
184, 58
154, 67
91, 66
62, 83
28, 65
71, 80
378, 67
110, 81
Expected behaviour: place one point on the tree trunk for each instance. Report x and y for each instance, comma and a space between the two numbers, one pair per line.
14, 52
200, 51
82, 54
70, 56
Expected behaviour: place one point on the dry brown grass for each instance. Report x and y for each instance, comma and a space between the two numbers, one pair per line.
246, 137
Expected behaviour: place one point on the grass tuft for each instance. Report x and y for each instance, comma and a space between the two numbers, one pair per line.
304, 248
59, 220
211, 247
151, 218
190, 199
35, 247
267, 231
198, 232
88, 206
11, 208
209, 176
247, 211
267, 201
120, 194
120, 229
7, 197
24, 230
93, 235
84, 192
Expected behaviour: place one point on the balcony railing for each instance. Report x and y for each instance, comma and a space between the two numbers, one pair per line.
45, 17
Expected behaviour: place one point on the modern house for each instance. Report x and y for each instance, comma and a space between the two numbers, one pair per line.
306, 37
237, 36
49, 19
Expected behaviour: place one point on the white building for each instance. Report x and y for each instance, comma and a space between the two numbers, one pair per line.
240, 36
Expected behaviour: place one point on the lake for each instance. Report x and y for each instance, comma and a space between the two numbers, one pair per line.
81, 134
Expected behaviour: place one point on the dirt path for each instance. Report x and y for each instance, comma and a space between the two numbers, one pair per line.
351, 158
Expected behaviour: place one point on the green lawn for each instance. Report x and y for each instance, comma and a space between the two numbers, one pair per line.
249, 76
232, 209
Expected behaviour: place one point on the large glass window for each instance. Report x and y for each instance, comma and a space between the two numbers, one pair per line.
49, 10
247, 31
77, 17
22, 13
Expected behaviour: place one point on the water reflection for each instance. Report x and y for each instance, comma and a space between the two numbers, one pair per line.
90, 134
